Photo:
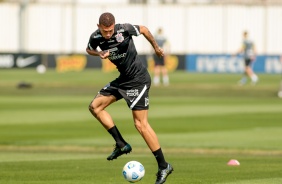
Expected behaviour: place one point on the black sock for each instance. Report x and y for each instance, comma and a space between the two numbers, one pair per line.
160, 158
120, 142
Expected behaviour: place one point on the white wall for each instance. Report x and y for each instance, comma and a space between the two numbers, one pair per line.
9, 27
190, 28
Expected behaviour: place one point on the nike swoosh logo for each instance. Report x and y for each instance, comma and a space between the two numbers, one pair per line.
23, 62
102, 42
132, 100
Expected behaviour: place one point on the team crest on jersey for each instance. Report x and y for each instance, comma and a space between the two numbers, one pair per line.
119, 37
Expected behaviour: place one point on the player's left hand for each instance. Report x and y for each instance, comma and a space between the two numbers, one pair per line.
159, 51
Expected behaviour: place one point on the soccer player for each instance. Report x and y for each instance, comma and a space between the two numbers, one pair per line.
133, 84
160, 68
249, 54
280, 89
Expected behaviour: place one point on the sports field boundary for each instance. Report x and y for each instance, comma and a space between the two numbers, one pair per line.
86, 149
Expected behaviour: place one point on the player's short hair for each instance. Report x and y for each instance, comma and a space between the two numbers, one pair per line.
107, 19
245, 33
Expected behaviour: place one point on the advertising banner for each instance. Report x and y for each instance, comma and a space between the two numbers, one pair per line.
224, 63
79, 62
19, 60
70, 63
172, 63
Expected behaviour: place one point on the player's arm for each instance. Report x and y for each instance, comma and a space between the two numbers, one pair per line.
255, 49
95, 52
254, 52
240, 50
147, 34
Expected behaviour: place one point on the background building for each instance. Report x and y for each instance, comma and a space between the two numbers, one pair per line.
206, 26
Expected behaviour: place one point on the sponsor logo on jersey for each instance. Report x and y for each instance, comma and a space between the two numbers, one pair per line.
119, 37
113, 49
118, 56
115, 56
114, 45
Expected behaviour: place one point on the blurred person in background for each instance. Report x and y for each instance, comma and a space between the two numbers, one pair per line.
280, 89
116, 43
249, 53
159, 67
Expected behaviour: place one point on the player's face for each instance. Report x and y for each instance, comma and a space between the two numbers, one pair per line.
107, 32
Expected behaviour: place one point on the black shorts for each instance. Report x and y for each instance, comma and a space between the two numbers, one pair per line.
248, 62
159, 61
135, 92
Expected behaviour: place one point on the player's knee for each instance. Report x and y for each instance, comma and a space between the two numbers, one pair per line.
137, 125
140, 126
92, 109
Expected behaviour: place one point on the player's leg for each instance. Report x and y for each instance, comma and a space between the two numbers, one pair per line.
142, 125
97, 108
251, 74
137, 98
249, 71
280, 89
157, 70
165, 75
243, 80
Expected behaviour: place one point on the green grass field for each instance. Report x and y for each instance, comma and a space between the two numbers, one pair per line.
48, 136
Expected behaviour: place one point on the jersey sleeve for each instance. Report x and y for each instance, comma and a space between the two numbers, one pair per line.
133, 30
92, 43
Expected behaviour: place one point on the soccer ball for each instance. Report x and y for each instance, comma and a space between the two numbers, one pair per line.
41, 69
133, 171
280, 94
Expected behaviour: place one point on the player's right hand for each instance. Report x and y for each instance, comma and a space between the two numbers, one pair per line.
104, 54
